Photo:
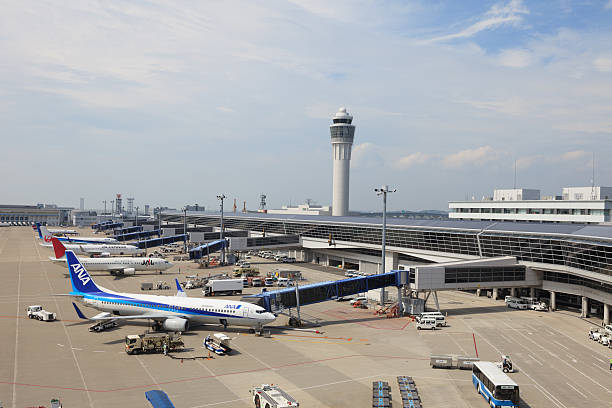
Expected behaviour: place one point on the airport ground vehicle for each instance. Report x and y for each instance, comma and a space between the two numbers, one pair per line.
256, 282
594, 333
103, 325
494, 385
289, 260
516, 303
245, 271
604, 339
38, 313
438, 316
269, 282
159, 285
215, 287
152, 342
506, 364
271, 396
218, 343
283, 282
427, 323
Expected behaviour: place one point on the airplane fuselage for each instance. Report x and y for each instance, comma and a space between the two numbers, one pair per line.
97, 249
203, 311
119, 264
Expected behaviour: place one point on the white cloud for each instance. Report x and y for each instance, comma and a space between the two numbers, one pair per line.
498, 15
412, 160
224, 109
475, 157
367, 155
515, 58
523, 163
574, 155
603, 64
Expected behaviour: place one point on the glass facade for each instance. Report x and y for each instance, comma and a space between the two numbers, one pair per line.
484, 274
586, 253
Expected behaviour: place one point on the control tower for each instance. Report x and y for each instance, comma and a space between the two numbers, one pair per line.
342, 134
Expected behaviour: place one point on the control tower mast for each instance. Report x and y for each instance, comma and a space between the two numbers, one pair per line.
342, 134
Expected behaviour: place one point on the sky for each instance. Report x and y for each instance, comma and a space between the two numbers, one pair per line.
175, 102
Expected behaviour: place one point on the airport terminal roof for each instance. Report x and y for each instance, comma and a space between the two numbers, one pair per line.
601, 231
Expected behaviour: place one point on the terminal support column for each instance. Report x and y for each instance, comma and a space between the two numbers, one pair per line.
606, 316
532, 292
513, 292
553, 301
585, 307
495, 293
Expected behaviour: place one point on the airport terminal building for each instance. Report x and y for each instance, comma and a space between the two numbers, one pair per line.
569, 264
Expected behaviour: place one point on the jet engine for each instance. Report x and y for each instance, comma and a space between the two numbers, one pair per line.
176, 324
129, 270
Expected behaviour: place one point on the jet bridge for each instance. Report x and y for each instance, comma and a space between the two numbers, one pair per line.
277, 300
138, 235
104, 227
155, 242
207, 249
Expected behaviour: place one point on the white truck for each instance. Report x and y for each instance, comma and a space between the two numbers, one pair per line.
218, 343
216, 287
516, 303
271, 396
38, 313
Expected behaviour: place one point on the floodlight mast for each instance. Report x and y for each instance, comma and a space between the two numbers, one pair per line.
222, 197
383, 191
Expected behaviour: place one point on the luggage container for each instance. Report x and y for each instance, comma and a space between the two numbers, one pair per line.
441, 361
407, 395
466, 363
381, 402
380, 393
381, 385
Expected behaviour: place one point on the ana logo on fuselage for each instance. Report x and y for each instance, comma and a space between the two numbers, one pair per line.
233, 307
81, 273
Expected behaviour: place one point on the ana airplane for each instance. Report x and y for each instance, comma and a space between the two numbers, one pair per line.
45, 235
57, 231
99, 249
173, 313
116, 266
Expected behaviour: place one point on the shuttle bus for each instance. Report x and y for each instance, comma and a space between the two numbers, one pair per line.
495, 386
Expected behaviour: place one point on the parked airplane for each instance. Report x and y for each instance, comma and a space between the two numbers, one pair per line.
46, 236
174, 313
99, 249
57, 231
116, 266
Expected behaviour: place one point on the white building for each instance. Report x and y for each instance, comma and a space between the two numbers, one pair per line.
590, 205
303, 209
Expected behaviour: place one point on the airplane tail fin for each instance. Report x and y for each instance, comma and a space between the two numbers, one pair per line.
179, 289
38, 229
81, 281
78, 312
45, 234
58, 247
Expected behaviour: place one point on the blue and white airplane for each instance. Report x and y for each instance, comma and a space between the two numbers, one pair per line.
173, 313
45, 235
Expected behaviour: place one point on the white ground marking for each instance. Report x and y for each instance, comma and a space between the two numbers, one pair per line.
534, 359
576, 389
559, 344
543, 390
16, 333
293, 389
76, 362
560, 359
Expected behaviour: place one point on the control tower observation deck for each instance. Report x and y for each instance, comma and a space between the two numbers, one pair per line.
342, 134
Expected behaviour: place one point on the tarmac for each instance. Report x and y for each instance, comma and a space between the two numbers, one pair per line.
558, 366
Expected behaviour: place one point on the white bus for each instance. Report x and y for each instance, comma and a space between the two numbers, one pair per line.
495, 386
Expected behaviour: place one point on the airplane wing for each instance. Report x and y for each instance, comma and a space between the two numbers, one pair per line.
108, 316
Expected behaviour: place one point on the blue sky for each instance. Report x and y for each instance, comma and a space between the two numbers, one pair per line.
175, 102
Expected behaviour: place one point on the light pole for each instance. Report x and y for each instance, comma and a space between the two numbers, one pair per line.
104, 206
221, 197
112, 210
136, 219
383, 191
185, 229
159, 221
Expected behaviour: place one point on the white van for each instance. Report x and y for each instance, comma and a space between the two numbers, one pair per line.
438, 316
427, 323
516, 303
282, 282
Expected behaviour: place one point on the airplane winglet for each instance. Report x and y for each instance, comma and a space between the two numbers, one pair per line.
179, 289
78, 311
